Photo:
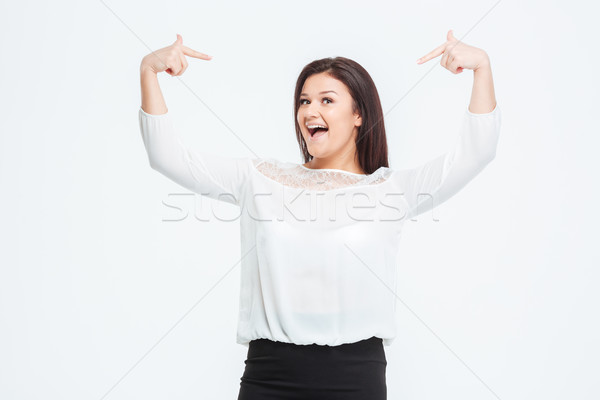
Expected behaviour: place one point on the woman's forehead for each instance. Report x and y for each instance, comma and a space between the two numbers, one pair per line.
319, 83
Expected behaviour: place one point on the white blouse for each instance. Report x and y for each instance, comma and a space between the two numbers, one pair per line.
320, 247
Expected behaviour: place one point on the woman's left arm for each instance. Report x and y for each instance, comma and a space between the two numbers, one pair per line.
458, 56
483, 99
432, 183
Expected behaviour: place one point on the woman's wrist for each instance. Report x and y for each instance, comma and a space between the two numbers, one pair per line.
484, 64
146, 70
152, 98
483, 99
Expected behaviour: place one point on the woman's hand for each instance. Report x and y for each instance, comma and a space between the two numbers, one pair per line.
457, 55
171, 58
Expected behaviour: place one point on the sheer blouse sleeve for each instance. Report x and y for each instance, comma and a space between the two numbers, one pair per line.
432, 183
218, 177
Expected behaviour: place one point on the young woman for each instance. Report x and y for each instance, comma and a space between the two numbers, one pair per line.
320, 240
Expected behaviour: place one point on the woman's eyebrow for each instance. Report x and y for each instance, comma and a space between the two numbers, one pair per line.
326, 91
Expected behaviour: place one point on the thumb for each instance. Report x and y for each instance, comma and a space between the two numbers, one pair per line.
450, 35
179, 39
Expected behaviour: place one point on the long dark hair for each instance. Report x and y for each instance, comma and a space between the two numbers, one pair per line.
371, 141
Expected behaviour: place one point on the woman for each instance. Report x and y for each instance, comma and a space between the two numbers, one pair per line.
318, 273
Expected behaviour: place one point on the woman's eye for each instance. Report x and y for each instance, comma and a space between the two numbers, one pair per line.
325, 98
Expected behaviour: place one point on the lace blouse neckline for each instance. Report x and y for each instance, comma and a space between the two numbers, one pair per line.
331, 169
299, 176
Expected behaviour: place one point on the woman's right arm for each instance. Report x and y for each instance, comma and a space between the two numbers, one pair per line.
152, 97
170, 59
208, 174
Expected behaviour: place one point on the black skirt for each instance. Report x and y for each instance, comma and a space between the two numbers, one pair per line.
278, 370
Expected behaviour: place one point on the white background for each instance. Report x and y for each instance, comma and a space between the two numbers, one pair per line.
102, 299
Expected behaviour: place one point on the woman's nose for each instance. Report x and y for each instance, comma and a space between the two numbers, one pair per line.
310, 112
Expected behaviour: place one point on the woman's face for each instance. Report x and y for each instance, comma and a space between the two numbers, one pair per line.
326, 101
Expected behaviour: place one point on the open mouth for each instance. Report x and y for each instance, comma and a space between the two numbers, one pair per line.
315, 132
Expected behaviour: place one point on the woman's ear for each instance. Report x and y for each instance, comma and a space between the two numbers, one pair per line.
357, 120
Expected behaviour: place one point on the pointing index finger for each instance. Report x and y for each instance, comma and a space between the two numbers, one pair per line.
432, 54
193, 53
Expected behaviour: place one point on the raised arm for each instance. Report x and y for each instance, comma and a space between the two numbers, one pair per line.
170, 59
208, 174
458, 56
435, 181
432, 183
